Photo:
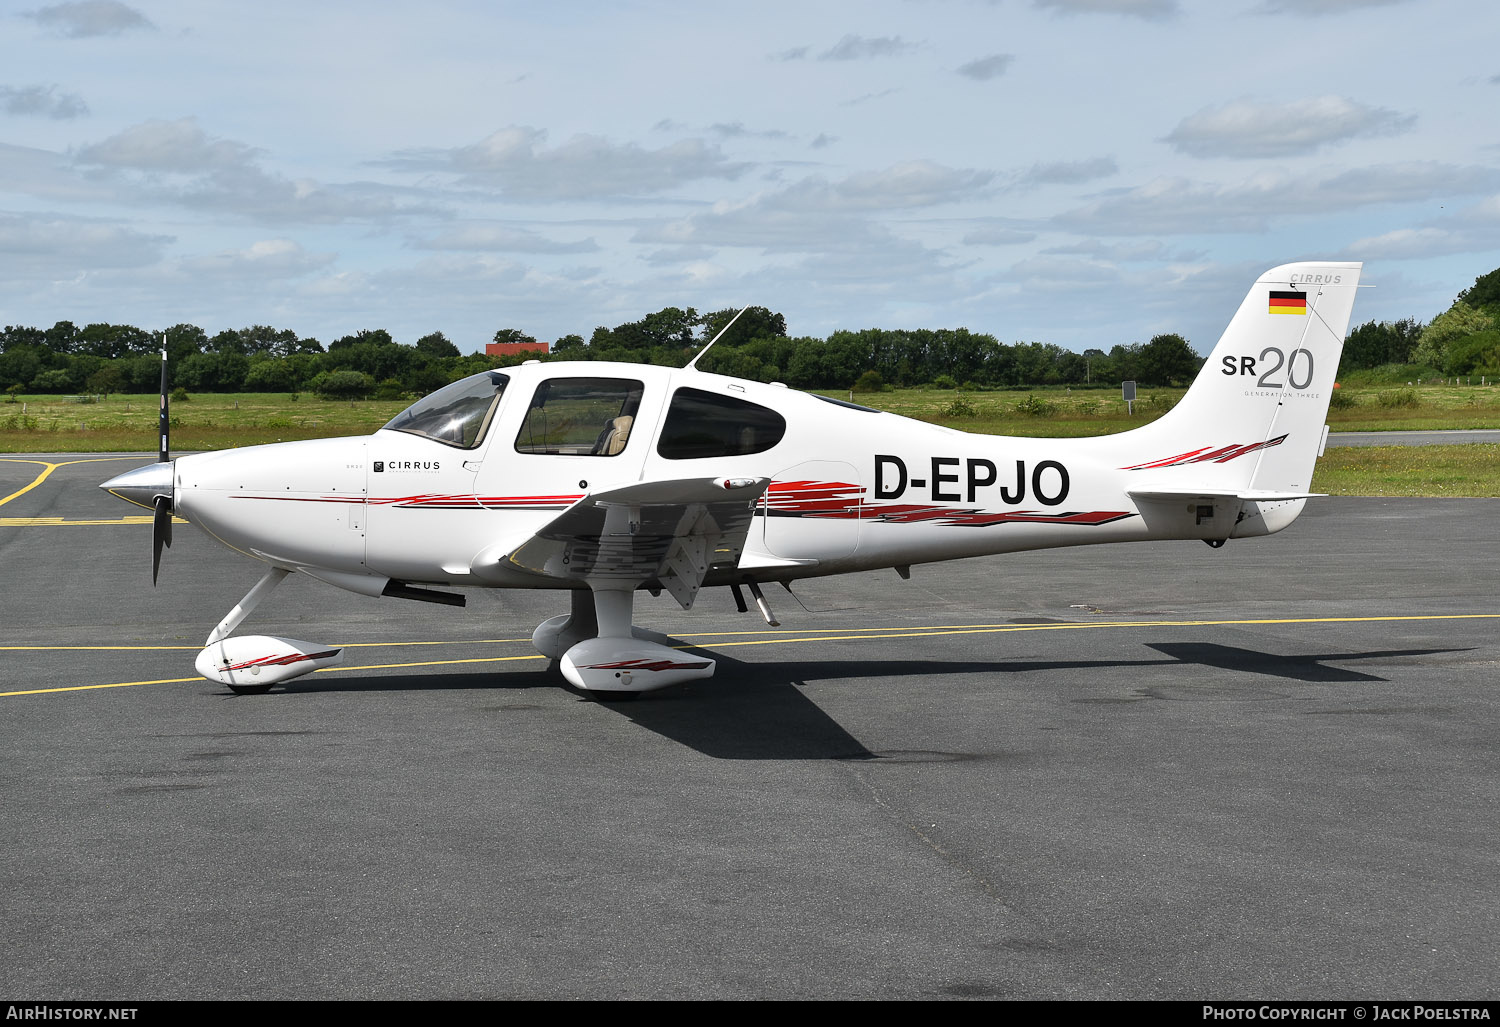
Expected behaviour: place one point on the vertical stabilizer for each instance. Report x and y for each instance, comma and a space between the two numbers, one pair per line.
1253, 420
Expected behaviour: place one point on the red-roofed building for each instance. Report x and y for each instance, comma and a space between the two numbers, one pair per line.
508, 349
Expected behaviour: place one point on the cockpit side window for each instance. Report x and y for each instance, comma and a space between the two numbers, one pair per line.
456, 415
580, 417
701, 424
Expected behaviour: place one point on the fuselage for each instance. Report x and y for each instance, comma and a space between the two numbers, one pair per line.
851, 488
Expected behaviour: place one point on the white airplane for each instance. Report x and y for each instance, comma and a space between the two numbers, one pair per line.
605, 479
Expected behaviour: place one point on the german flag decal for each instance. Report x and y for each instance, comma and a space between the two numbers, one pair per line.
1288, 302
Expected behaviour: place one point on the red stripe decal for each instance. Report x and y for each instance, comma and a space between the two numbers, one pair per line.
1221, 455
645, 665
284, 661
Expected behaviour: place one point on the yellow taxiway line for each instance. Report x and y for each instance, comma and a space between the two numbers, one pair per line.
50, 467
859, 635
991, 629
195, 648
62, 522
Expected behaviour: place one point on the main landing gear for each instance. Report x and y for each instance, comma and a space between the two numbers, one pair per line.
601, 652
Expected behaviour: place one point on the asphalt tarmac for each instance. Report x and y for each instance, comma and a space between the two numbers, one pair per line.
1148, 771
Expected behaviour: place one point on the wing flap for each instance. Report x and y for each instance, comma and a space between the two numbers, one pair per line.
671, 532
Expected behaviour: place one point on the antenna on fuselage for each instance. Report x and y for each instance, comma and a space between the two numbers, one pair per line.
716, 338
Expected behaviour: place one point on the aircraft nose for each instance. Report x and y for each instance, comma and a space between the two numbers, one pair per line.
141, 485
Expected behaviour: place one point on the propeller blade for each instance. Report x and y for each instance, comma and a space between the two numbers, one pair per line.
163, 424
161, 533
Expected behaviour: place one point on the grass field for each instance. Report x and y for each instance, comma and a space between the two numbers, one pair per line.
1452, 471
127, 423
1058, 413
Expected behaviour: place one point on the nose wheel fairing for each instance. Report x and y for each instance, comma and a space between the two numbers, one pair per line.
253, 663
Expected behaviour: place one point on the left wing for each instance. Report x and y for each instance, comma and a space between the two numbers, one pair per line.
669, 532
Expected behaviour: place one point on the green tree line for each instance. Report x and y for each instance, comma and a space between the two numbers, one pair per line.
1462, 340
107, 358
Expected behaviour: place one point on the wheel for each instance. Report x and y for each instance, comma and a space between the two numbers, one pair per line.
605, 695
249, 689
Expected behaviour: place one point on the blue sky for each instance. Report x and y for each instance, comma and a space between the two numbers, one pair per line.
1084, 172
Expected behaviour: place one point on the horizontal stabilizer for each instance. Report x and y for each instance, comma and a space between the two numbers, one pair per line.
1150, 494
1271, 496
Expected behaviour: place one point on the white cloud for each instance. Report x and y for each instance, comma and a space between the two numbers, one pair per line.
1316, 7
1475, 229
1408, 182
42, 101
764, 222
1151, 250
997, 235
1249, 128
1171, 205
514, 162
985, 68
867, 97
455, 269
858, 48
47, 244
1151, 10
480, 236
677, 256
862, 286
266, 259
171, 146
1406, 243
177, 162
1068, 172
340, 284
273, 199
915, 183
47, 175
90, 18
1054, 274
737, 129
817, 215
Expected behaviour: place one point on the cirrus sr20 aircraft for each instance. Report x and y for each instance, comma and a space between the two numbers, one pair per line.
606, 479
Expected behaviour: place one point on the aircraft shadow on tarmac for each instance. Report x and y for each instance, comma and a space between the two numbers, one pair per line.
754, 711
1293, 668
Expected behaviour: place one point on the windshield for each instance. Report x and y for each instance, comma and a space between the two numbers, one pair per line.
455, 415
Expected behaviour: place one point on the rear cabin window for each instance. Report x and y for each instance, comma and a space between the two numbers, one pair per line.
580, 417
701, 424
